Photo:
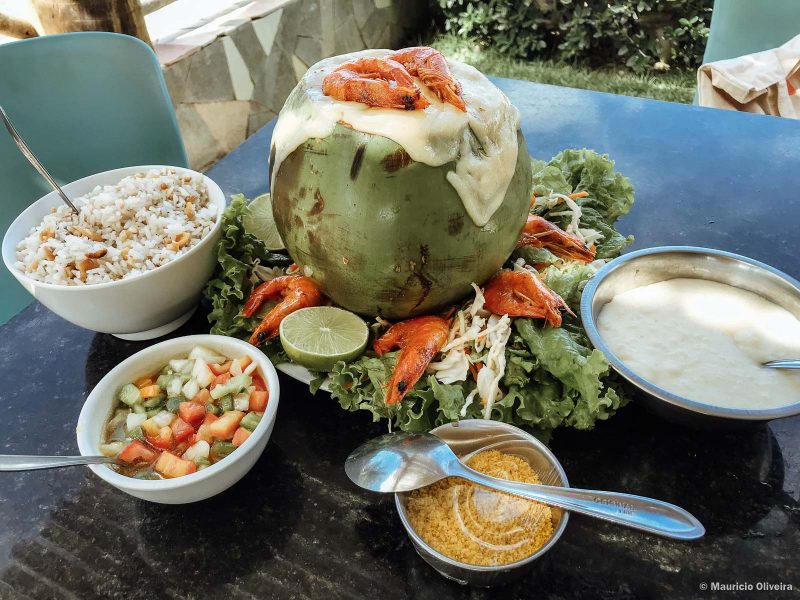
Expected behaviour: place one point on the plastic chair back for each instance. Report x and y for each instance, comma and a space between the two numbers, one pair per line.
740, 27
85, 102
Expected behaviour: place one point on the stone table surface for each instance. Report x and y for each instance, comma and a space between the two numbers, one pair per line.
295, 527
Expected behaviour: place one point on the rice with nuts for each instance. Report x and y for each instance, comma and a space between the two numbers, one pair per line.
122, 230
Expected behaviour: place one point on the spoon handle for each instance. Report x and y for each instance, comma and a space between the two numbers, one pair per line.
647, 514
793, 363
25, 149
19, 462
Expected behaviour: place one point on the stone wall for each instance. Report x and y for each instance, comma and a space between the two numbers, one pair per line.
227, 89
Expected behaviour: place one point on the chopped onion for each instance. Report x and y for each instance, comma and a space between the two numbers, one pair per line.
199, 449
190, 389
134, 420
163, 419
241, 401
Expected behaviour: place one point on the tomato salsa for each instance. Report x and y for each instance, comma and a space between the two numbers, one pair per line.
189, 415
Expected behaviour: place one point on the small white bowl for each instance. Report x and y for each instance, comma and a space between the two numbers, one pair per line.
140, 307
202, 484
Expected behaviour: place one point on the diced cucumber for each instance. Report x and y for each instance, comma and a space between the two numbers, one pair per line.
155, 402
146, 475
134, 420
233, 386
251, 421
207, 354
136, 433
221, 449
174, 403
174, 386
139, 408
202, 463
213, 409
241, 401
129, 394
226, 403
152, 412
111, 449
190, 389
163, 380
167, 371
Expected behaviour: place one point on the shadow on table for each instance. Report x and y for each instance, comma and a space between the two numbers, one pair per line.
99, 539
728, 479
233, 533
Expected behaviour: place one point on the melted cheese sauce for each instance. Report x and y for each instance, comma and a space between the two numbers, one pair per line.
482, 141
705, 341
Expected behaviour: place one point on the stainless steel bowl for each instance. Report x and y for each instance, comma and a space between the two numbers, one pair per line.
466, 438
669, 262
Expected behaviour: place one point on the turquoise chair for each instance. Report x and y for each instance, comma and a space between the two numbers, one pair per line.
85, 102
740, 27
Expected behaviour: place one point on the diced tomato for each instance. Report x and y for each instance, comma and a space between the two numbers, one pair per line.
203, 432
224, 427
219, 380
170, 466
181, 430
192, 413
137, 452
258, 400
202, 397
258, 383
149, 391
164, 439
244, 362
240, 436
143, 382
220, 369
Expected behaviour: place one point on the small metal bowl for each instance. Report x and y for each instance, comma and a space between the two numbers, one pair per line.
468, 437
652, 265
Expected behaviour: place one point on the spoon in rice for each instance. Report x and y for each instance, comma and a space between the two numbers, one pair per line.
401, 462
33, 160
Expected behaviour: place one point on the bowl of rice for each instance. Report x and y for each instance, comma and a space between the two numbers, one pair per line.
134, 260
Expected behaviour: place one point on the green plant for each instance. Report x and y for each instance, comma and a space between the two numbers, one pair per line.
635, 33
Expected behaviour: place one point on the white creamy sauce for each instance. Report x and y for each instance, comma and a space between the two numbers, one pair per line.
482, 141
705, 341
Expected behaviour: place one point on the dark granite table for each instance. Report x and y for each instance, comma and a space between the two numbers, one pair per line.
295, 527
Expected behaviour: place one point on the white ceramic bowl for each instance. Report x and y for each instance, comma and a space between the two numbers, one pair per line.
140, 307
202, 484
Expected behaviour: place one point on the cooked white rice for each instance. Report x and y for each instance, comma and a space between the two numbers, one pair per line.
121, 231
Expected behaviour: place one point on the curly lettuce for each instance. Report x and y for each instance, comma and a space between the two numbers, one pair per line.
230, 285
610, 195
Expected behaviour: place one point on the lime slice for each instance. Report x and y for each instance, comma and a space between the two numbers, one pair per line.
260, 223
320, 336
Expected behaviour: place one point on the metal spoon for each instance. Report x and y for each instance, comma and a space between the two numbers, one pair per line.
400, 462
791, 363
33, 160
20, 462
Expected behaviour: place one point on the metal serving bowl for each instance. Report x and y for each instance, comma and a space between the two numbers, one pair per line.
652, 265
466, 438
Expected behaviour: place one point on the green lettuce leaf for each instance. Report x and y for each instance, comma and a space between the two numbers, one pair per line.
610, 193
237, 251
566, 356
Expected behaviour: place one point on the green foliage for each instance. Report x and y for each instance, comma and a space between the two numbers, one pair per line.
634, 33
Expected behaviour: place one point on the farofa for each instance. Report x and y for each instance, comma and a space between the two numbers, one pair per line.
488, 527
